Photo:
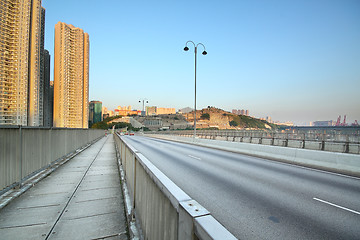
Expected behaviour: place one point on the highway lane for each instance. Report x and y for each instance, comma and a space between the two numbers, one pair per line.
256, 198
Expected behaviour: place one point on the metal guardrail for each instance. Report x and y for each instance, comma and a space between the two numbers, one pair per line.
24, 151
163, 210
316, 140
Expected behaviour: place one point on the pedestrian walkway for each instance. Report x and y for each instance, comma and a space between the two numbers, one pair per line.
80, 200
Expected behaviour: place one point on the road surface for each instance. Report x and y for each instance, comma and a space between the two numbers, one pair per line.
256, 198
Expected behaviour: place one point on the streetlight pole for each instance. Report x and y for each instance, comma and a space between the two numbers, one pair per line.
203, 53
143, 103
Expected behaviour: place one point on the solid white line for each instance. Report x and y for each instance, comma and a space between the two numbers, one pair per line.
194, 157
334, 205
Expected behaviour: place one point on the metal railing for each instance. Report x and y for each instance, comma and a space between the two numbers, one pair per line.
316, 140
163, 210
24, 151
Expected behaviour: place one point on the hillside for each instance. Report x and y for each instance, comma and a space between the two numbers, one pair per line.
217, 118
207, 118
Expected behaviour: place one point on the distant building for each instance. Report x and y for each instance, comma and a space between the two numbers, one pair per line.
128, 108
240, 112
324, 123
95, 112
126, 111
51, 103
268, 119
160, 111
105, 112
71, 77
150, 111
289, 124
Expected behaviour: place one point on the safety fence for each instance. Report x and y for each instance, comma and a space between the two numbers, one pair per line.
163, 210
24, 151
314, 140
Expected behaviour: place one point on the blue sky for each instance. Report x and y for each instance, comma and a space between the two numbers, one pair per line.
292, 60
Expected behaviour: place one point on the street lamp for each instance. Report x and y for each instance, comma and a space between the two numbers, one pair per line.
203, 53
143, 103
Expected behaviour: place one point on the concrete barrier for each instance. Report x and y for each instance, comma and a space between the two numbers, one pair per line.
332, 141
24, 151
333, 161
162, 209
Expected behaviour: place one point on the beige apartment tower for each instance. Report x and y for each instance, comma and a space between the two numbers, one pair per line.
71, 77
21, 45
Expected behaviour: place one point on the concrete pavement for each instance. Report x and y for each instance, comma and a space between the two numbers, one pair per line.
80, 200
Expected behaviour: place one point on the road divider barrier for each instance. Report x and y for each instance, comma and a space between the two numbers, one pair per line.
339, 162
313, 140
160, 207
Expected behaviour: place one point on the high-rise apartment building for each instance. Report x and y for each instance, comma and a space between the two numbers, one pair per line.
71, 77
48, 93
41, 82
21, 44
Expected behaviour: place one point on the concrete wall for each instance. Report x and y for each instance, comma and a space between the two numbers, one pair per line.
163, 210
339, 162
25, 150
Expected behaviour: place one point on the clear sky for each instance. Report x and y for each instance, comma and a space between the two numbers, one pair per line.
292, 60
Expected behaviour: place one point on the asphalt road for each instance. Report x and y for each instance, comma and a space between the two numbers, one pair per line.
256, 198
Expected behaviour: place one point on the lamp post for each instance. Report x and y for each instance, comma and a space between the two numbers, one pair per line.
143, 103
203, 53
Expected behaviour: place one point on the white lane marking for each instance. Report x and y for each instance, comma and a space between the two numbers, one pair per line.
334, 205
194, 157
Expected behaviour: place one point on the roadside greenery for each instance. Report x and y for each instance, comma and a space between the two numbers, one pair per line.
106, 125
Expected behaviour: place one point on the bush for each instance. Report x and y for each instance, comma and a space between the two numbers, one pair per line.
233, 123
205, 116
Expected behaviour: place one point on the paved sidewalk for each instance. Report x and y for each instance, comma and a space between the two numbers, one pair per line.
80, 200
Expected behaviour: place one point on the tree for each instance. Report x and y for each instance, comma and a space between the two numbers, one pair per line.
233, 123
205, 116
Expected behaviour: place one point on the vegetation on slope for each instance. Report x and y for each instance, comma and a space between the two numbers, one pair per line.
216, 116
106, 125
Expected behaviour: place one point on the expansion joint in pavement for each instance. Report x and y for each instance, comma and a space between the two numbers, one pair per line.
76, 188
